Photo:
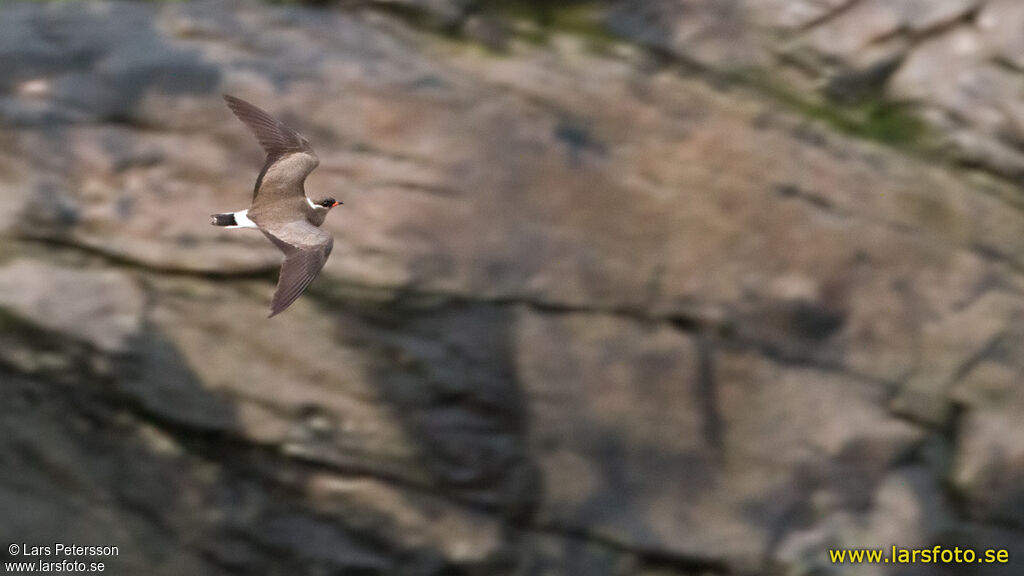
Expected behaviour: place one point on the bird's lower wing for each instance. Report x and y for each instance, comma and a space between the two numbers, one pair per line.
306, 249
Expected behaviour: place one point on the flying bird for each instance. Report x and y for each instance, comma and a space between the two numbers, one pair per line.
280, 208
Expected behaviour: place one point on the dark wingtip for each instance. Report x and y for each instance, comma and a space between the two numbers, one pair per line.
234, 102
276, 308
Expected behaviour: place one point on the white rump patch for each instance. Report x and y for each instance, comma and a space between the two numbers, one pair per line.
243, 221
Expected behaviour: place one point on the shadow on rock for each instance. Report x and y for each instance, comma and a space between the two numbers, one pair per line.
449, 373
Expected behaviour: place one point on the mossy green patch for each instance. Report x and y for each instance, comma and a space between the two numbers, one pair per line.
581, 18
873, 117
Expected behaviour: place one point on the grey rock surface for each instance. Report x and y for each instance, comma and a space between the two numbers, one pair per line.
954, 64
586, 314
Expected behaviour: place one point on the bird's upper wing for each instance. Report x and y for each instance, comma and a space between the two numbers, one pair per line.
290, 158
306, 249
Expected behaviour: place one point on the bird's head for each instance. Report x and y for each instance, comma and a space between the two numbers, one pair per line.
328, 203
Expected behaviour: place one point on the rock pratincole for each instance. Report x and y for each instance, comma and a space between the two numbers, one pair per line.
280, 208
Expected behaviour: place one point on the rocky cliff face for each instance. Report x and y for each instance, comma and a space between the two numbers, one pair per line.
956, 66
591, 310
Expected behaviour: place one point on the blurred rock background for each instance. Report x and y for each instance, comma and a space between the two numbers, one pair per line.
645, 288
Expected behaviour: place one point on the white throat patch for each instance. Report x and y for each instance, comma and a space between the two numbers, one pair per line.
311, 205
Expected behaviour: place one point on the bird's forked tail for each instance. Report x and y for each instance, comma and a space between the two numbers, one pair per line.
226, 219
238, 219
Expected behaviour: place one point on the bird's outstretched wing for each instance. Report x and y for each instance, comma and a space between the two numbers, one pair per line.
306, 249
290, 158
